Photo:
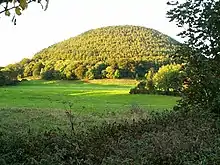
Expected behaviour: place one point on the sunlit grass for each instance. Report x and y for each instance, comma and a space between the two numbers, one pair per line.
83, 96
41, 105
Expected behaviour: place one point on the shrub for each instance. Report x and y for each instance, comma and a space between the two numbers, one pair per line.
51, 75
139, 89
8, 78
163, 138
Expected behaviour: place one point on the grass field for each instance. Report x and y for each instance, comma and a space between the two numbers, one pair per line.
91, 96
42, 104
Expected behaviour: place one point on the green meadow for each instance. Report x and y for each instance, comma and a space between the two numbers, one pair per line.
79, 96
41, 105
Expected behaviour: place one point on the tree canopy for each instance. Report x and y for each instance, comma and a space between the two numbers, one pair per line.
169, 78
201, 22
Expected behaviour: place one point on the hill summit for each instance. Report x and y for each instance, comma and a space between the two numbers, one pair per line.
113, 51
113, 42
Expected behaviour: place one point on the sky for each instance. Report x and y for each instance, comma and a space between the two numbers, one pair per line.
37, 29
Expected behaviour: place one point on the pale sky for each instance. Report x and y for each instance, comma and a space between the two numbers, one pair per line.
37, 29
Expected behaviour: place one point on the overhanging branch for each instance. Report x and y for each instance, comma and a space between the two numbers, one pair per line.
6, 7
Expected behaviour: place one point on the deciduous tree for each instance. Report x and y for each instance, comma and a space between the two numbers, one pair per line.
201, 22
169, 77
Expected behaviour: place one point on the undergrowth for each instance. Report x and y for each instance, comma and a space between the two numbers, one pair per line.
162, 138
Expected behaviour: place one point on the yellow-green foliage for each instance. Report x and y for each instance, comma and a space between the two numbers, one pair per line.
114, 42
109, 52
169, 77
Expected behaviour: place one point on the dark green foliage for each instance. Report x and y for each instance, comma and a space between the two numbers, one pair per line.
51, 75
109, 52
140, 89
172, 138
98, 68
8, 78
201, 22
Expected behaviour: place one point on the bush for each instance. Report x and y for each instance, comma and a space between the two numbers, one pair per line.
13, 82
140, 89
163, 138
51, 75
8, 78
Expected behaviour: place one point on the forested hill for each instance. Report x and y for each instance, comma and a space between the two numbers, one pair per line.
99, 53
118, 42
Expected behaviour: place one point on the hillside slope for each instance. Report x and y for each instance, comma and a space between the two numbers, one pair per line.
108, 52
118, 42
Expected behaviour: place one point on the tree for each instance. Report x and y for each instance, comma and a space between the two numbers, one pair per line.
169, 78
110, 72
15, 69
37, 69
69, 71
8, 78
149, 77
28, 69
201, 22
97, 70
90, 74
80, 71
15, 7
117, 74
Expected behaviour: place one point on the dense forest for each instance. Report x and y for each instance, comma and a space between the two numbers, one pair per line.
109, 52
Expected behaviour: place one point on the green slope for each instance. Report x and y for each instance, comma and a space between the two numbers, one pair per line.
108, 52
113, 42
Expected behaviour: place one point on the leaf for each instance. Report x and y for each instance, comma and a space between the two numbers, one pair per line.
23, 4
18, 10
7, 13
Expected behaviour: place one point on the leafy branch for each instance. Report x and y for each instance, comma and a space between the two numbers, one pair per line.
19, 6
